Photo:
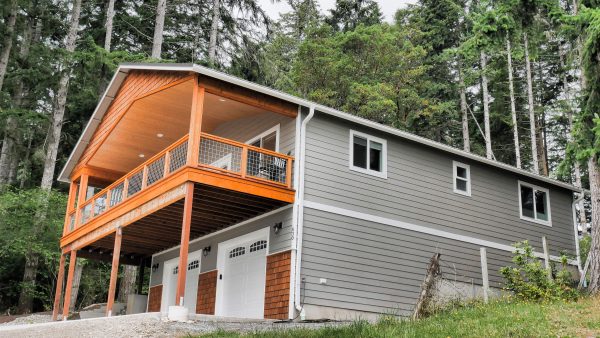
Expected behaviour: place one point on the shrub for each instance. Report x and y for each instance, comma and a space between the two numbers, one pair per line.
528, 279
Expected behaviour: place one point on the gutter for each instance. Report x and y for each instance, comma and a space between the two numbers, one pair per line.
300, 208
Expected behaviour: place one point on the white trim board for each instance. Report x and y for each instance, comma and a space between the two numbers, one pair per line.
420, 228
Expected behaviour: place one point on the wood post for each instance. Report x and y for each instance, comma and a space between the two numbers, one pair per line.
66, 304
59, 286
432, 270
547, 258
195, 125
114, 271
484, 274
185, 239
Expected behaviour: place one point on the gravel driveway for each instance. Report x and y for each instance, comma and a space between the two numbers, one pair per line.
140, 325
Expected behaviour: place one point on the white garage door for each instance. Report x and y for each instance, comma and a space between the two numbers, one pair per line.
170, 276
242, 278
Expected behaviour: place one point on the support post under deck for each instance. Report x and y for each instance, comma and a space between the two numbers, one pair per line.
114, 271
69, 287
59, 286
185, 240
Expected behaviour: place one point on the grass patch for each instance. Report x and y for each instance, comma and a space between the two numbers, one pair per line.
503, 318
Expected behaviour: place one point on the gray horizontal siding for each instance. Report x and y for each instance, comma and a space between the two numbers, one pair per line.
419, 190
245, 129
377, 268
277, 242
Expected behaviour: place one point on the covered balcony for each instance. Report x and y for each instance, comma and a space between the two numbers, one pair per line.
189, 159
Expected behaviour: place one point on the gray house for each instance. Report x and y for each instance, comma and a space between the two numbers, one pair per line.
279, 207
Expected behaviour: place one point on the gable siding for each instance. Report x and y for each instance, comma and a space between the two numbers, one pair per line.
136, 84
377, 267
247, 128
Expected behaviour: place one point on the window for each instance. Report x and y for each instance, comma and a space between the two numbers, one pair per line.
258, 246
462, 178
368, 154
534, 203
268, 140
193, 264
239, 251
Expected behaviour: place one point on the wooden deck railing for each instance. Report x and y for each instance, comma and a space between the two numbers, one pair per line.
146, 174
238, 158
216, 153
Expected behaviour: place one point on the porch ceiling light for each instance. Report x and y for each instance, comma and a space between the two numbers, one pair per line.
222, 99
142, 155
160, 135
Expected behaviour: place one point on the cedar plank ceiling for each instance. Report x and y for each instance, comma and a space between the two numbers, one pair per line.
135, 84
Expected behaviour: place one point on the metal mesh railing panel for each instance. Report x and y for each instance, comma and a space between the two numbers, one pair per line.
135, 183
72, 222
100, 205
156, 171
266, 166
86, 213
116, 194
220, 155
178, 157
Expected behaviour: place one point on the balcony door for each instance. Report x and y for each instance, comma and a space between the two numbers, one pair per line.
267, 140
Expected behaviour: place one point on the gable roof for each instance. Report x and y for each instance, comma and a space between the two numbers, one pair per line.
125, 68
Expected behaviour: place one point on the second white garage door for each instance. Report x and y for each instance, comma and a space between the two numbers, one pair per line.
241, 280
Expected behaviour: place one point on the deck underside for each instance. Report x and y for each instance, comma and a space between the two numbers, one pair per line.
213, 209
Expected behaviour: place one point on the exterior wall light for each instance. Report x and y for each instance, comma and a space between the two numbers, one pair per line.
277, 227
206, 251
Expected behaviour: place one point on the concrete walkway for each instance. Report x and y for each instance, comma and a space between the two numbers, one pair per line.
145, 325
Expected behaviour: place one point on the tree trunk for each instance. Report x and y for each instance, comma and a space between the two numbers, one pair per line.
594, 254
28, 284
486, 106
53, 137
8, 40
532, 123
463, 110
214, 30
159, 27
110, 13
513, 108
76, 283
127, 285
8, 153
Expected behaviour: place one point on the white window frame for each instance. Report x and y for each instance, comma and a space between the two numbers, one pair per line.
455, 166
369, 138
534, 219
276, 129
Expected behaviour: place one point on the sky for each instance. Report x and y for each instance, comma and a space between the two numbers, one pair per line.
388, 7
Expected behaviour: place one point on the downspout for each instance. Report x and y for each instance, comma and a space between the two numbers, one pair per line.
576, 231
300, 207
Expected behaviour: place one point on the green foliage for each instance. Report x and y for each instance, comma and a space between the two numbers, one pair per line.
23, 235
502, 318
528, 279
585, 244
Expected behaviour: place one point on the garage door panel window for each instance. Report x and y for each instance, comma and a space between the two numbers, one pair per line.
534, 203
239, 251
256, 246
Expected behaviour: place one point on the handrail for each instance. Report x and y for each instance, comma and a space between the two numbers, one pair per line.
244, 145
106, 192
122, 186
279, 173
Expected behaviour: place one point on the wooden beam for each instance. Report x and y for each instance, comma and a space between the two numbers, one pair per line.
69, 287
59, 286
114, 270
185, 241
250, 97
195, 125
